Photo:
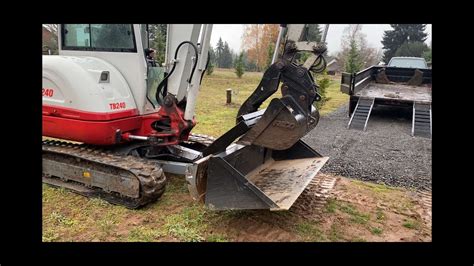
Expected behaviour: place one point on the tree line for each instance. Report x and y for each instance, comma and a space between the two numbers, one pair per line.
406, 40
401, 40
259, 45
259, 42
355, 54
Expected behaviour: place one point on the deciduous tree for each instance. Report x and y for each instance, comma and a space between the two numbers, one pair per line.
256, 41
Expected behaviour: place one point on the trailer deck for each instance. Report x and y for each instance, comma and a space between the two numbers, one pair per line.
367, 88
397, 92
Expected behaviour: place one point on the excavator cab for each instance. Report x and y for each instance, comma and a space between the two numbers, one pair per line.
155, 75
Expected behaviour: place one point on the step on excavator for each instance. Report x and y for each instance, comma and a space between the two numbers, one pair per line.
114, 126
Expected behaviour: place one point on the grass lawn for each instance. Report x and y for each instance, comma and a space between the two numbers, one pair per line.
215, 117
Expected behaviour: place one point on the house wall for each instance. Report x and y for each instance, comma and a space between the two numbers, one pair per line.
46, 36
334, 68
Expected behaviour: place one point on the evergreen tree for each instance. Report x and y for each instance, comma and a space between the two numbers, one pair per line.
313, 33
212, 55
210, 68
401, 33
157, 36
212, 61
323, 82
414, 49
219, 52
239, 65
155, 30
353, 63
226, 56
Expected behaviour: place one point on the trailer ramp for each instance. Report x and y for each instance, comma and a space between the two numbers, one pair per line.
421, 125
361, 114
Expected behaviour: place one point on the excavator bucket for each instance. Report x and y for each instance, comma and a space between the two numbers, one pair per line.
280, 126
255, 177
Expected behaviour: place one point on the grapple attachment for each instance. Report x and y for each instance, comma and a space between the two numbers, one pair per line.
269, 166
281, 125
254, 177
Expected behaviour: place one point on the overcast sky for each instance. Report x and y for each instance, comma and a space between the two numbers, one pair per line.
232, 33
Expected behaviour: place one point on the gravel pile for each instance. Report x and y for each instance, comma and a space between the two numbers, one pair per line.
386, 153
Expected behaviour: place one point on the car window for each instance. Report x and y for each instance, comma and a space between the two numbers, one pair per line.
407, 62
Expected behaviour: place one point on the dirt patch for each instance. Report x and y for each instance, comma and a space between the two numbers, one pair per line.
353, 211
130, 221
250, 229
370, 212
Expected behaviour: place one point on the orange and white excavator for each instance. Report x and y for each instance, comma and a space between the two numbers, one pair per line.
116, 125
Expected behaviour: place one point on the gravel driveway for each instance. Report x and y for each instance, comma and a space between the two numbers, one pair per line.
386, 153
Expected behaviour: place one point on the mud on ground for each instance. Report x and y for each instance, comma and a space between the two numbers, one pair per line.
353, 211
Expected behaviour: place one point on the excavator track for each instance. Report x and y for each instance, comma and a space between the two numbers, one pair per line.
96, 172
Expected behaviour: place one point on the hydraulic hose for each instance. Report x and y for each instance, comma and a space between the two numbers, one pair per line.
149, 100
207, 64
319, 65
165, 79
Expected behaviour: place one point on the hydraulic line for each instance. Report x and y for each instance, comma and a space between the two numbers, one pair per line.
319, 65
207, 64
165, 79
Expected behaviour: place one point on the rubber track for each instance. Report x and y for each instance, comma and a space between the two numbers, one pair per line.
151, 177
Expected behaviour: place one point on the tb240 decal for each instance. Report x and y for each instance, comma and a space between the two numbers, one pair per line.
48, 92
115, 106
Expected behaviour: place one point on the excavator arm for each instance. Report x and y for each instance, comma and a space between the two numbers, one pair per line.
288, 119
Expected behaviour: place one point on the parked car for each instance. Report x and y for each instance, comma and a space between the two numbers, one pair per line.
408, 62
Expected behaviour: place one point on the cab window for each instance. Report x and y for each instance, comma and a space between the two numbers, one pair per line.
99, 37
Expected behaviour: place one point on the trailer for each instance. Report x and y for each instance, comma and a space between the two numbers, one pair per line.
382, 85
